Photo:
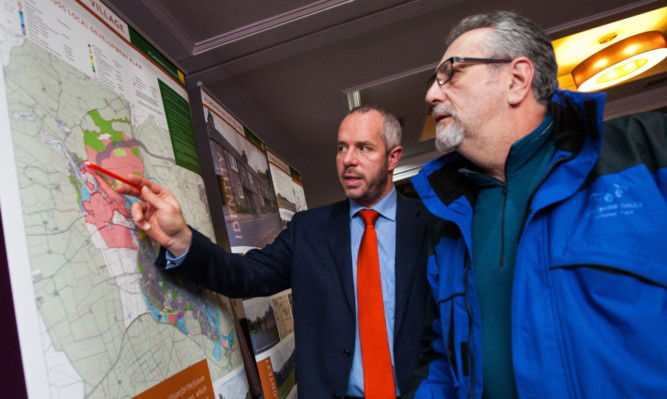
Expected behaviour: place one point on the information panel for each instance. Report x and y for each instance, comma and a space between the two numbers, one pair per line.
250, 207
271, 328
96, 319
288, 186
253, 219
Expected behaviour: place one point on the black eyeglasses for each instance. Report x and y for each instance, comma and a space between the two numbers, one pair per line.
445, 71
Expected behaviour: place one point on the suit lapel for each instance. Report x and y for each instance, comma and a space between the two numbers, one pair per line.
409, 238
338, 231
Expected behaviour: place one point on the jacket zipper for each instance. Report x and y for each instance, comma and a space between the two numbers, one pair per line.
553, 167
502, 227
466, 269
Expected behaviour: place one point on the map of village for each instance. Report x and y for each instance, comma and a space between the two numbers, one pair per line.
113, 324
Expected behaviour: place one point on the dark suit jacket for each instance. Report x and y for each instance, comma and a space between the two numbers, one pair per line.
312, 255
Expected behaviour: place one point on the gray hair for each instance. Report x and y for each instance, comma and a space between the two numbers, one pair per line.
516, 36
391, 128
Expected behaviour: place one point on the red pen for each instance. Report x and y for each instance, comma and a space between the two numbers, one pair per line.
111, 174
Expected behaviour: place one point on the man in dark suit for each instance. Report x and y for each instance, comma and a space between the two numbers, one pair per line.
316, 255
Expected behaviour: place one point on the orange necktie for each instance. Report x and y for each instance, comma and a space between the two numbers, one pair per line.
378, 373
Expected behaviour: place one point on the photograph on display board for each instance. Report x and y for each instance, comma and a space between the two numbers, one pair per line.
288, 186
282, 308
262, 323
250, 208
97, 319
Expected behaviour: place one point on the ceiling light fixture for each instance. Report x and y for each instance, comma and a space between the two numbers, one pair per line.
620, 61
353, 99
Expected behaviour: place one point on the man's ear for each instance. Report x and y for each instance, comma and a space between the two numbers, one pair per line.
521, 80
393, 157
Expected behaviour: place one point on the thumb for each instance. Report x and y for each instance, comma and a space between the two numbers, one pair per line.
139, 216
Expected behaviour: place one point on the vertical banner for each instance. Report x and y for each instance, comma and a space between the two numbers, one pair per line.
272, 334
253, 219
288, 186
266, 375
250, 207
95, 318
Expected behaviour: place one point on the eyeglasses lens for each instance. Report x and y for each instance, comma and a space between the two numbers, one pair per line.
444, 72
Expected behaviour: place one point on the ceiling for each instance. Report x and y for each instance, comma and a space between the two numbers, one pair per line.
284, 68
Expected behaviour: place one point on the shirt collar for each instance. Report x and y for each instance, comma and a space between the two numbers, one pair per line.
385, 207
520, 154
526, 148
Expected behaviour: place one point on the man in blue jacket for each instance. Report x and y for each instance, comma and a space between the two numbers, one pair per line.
549, 266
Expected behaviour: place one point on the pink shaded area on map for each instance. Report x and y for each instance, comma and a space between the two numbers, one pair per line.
100, 208
100, 213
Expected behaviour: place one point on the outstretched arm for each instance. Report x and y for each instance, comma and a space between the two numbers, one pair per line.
158, 214
257, 273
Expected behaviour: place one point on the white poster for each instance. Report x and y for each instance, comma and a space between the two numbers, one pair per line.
289, 189
96, 319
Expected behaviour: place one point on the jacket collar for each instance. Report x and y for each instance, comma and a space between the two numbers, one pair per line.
450, 196
410, 236
338, 231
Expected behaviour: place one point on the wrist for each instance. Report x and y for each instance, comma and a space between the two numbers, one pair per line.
181, 243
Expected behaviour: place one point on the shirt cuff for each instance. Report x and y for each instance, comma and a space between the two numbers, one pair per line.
173, 261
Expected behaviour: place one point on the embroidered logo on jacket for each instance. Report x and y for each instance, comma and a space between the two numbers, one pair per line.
610, 202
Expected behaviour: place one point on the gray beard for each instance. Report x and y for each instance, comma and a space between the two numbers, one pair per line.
447, 139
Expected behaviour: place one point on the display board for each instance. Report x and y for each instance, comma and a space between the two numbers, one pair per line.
250, 207
271, 328
95, 318
288, 186
252, 219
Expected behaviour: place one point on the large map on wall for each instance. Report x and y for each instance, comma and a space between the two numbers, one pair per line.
96, 318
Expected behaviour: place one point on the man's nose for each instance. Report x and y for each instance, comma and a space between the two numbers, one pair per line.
350, 157
435, 94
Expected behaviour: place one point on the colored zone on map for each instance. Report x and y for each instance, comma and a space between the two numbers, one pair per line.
112, 149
